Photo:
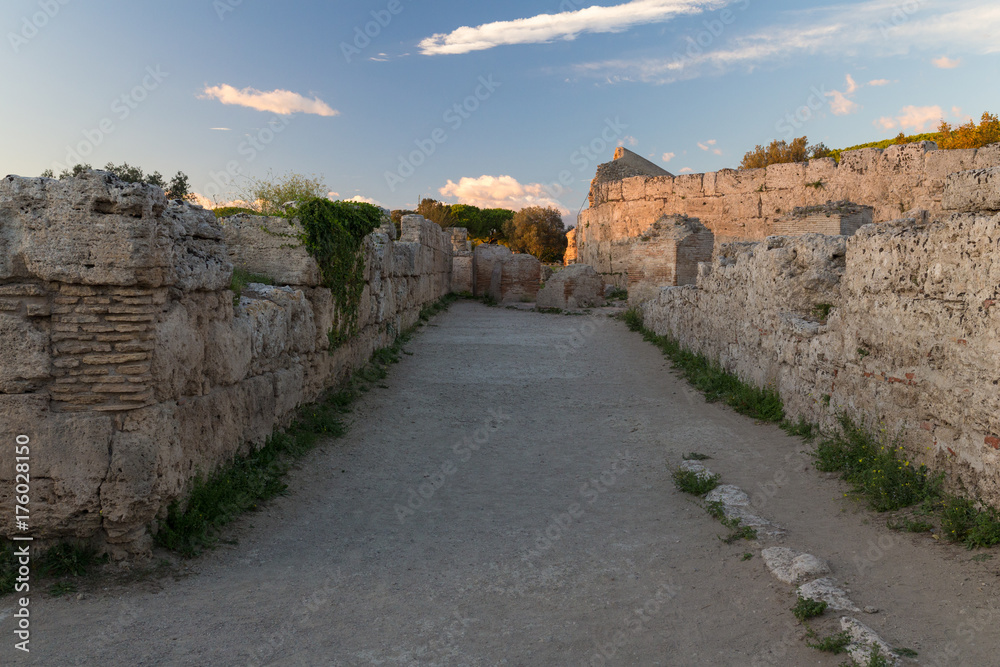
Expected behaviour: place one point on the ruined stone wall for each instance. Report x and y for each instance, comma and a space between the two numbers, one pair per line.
126, 362
748, 205
911, 343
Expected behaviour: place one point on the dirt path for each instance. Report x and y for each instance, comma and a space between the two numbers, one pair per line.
526, 424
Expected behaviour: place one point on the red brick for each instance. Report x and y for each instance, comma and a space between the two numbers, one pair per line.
993, 441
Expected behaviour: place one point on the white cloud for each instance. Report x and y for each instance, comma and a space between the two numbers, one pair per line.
222, 129
840, 29
667, 157
960, 115
886, 123
365, 200
840, 105
879, 82
707, 146
944, 62
920, 119
500, 192
913, 118
686, 170
628, 139
276, 101
566, 25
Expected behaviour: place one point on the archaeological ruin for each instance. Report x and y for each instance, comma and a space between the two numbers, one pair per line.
870, 286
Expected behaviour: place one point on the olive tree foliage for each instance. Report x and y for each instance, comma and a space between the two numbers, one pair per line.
269, 195
538, 231
782, 152
178, 187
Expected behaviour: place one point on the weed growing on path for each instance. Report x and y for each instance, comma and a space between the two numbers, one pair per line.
737, 531
805, 608
715, 383
697, 484
835, 644
249, 480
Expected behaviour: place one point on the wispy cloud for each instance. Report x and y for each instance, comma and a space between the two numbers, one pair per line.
628, 139
500, 192
879, 82
365, 200
686, 170
842, 29
944, 62
708, 146
667, 157
282, 102
566, 25
222, 129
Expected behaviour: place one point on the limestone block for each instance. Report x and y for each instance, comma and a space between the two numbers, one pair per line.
25, 362
179, 353
69, 459
288, 390
941, 163
199, 256
270, 246
785, 176
576, 286
906, 158
744, 181
986, 157
823, 170
689, 185
485, 257
975, 190
861, 161
634, 188
793, 567
461, 273
659, 187
228, 351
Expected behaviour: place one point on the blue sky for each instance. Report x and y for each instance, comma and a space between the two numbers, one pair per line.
495, 104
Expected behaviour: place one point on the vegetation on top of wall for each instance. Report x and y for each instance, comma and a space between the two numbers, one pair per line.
229, 211
782, 152
271, 195
710, 378
177, 188
901, 138
333, 233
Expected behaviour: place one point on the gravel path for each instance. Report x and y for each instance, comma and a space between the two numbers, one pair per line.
506, 499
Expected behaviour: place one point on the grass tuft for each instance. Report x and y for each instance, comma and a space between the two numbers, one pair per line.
68, 560
697, 484
241, 278
835, 644
805, 608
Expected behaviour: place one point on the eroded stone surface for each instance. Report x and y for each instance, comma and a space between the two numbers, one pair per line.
576, 286
863, 640
793, 567
827, 590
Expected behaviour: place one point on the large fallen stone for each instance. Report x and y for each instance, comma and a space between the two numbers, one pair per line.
826, 590
972, 191
576, 286
863, 641
793, 567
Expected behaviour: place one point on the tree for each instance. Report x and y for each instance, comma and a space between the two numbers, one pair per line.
538, 231
778, 152
437, 212
482, 223
269, 195
969, 135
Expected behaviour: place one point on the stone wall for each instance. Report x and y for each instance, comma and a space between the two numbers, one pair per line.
748, 205
126, 362
911, 342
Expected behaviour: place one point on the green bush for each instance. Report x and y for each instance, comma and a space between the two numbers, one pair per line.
697, 484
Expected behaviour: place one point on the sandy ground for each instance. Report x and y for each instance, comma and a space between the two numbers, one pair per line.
548, 532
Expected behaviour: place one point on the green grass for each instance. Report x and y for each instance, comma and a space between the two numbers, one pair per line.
696, 484
241, 278
805, 608
963, 520
68, 560
249, 480
549, 311
801, 428
618, 294
715, 383
737, 531
61, 588
910, 525
885, 143
747, 556
876, 467
836, 643
716, 509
